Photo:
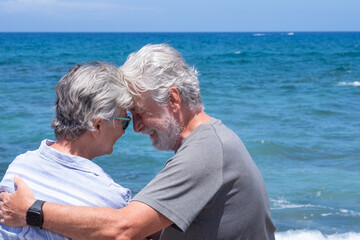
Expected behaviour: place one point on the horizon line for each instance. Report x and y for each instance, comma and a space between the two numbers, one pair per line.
302, 31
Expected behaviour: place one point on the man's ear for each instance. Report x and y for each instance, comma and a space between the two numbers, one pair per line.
174, 99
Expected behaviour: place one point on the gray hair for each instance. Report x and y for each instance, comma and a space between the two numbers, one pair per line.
157, 67
87, 92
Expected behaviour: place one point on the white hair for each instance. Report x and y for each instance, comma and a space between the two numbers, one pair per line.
87, 92
156, 68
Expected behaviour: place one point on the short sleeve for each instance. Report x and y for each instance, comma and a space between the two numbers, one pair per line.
189, 180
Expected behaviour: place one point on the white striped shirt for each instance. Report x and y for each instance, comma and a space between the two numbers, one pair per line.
61, 178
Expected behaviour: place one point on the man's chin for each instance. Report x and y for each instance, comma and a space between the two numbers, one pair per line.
155, 143
159, 144
160, 147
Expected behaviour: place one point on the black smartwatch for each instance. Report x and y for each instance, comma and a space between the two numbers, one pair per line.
34, 216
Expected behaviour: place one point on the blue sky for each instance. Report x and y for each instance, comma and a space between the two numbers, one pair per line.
178, 16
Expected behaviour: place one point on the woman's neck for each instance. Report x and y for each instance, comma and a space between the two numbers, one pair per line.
75, 148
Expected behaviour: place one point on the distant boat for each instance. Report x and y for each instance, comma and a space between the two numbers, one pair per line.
290, 33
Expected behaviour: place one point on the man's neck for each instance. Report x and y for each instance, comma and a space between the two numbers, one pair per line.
190, 122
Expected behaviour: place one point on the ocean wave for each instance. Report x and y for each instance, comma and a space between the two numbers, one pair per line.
279, 149
348, 54
259, 34
283, 204
355, 84
315, 235
278, 204
349, 212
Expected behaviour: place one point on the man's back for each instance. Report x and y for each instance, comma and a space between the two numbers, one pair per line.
211, 189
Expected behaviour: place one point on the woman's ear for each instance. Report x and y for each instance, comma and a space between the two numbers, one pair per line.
97, 124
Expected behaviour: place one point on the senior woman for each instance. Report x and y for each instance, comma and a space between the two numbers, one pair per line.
90, 117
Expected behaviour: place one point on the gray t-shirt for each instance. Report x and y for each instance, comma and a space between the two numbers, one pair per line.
211, 189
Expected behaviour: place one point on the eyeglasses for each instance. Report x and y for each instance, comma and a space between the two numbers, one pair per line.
126, 121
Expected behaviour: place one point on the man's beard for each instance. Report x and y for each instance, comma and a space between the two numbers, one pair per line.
165, 136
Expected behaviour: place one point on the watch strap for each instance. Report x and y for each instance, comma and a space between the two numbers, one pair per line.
35, 209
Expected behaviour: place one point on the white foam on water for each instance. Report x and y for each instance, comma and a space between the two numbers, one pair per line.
326, 214
237, 52
315, 235
344, 210
349, 212
355, 84
259, 34
283, 204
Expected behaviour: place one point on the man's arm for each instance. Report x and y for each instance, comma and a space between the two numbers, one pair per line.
136, 221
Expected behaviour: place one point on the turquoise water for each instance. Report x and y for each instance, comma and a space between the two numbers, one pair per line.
294, 100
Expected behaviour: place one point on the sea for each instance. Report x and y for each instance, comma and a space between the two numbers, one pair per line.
292, 97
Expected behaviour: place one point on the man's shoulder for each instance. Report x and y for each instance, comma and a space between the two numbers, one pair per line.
204, 145
212, 132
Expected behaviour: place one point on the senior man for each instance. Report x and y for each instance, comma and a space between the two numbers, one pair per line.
210, 188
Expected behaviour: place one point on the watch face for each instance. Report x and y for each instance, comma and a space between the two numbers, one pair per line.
33, 218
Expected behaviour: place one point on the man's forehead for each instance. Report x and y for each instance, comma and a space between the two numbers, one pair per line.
139, 103
144, 104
